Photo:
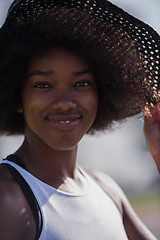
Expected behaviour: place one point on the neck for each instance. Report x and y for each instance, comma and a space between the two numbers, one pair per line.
48, 164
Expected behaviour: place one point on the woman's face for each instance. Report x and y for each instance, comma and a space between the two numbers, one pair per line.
59, 99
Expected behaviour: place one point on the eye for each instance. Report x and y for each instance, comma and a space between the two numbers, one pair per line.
82, 84
42, 85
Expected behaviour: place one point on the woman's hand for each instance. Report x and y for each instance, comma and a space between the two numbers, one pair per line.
152, 133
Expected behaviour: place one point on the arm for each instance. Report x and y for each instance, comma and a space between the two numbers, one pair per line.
10, 227
15, 218
152, 134
134, 227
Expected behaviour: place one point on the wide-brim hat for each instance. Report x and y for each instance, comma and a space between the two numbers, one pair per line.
99, 22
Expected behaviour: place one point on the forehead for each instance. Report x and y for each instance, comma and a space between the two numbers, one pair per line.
58, 57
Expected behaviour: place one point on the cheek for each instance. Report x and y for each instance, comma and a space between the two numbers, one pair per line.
91, 103
33, 101
94, 100
32, 108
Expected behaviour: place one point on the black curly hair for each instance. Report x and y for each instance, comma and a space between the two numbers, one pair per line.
119, 74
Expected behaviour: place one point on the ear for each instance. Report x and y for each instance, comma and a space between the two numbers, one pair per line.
19, 108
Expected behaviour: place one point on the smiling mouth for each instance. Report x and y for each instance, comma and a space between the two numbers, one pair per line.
65, 122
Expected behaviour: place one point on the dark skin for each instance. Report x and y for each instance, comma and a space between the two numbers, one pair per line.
151, 131
16, 220
59, 107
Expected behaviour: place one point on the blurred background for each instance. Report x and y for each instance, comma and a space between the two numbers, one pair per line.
121, 153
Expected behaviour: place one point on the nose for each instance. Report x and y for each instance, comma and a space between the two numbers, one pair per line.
64, 100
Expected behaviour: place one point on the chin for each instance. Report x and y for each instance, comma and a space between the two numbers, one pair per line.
64, 145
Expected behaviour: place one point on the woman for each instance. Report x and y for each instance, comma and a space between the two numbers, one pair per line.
68, 68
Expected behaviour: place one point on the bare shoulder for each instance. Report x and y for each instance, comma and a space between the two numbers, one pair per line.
134, 227
8, 187
15, 212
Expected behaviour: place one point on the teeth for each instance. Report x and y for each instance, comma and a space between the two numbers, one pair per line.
65, 121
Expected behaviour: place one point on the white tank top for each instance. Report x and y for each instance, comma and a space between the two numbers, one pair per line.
90, 216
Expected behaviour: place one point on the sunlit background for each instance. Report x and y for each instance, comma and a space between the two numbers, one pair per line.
121, 153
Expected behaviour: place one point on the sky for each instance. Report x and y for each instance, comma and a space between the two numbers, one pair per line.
121, 153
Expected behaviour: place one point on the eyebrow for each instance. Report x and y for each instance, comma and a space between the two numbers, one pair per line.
83, 72
48, 73
41, 73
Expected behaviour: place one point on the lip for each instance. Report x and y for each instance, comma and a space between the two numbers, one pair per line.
64, 121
